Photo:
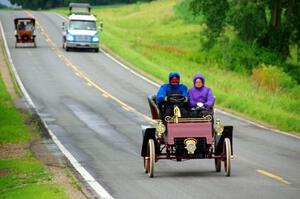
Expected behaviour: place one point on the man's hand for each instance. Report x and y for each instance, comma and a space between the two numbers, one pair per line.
166, 99
186, 99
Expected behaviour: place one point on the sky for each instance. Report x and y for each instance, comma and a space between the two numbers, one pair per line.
6, 2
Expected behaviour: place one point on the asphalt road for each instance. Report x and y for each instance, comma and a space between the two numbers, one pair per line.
95, 107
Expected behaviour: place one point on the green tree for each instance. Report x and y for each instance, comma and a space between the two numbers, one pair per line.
45, 4
215, 13
272, 24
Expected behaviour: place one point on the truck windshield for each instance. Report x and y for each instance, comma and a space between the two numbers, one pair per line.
82, 25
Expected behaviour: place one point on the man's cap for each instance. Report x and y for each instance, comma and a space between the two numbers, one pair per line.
174, 80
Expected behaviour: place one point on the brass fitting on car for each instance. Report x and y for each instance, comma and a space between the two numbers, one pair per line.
219, 128
190, 145
177, 113
160, 129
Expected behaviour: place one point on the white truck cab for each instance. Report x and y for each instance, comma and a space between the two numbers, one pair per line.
81, 31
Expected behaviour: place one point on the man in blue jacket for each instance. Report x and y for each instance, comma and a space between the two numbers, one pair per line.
172, 88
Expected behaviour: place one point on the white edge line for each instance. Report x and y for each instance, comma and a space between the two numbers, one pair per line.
218, 110
258, 125
85, 175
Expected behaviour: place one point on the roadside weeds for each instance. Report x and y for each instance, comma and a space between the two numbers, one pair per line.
28, 166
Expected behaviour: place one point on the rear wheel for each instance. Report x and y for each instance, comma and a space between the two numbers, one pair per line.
227, 153
96, 50
150, 157
67, 49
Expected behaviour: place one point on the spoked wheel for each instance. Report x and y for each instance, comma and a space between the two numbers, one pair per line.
218, 164
150, 159
227, 153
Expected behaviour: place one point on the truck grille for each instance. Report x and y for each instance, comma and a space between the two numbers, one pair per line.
82, 38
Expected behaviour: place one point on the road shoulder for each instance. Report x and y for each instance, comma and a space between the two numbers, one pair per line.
35, 163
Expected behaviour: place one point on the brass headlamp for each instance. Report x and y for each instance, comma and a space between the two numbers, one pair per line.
190, 145
160, 129
219, 128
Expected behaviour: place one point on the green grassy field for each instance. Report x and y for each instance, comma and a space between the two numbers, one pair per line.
12, 128
154, 40
27, 178
21, 175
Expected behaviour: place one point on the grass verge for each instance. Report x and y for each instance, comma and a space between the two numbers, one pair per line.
21, 174
153, 39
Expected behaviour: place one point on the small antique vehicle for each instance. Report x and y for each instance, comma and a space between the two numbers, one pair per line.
25, 31
178, 138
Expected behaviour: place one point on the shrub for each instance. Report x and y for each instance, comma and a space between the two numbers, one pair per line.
272, 78
236, 55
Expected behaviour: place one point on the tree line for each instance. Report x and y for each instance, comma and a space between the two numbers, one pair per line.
272, 24
46, 4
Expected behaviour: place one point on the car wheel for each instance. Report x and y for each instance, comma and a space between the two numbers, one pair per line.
227, 153
151, 155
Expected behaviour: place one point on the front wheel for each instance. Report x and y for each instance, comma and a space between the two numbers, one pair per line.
227, 153
150, 159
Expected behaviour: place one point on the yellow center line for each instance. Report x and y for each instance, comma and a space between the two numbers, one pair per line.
82, 75
104, 95
126, 108
275, 177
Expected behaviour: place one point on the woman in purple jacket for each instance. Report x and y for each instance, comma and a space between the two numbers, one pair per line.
201, 98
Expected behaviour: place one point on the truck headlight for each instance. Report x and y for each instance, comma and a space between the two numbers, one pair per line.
95, 39
70, 38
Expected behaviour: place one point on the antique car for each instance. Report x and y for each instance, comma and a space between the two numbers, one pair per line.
25, 32
178, 138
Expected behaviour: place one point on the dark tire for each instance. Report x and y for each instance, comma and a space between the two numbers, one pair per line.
96, 50
218, 164
67, 49
227, 153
